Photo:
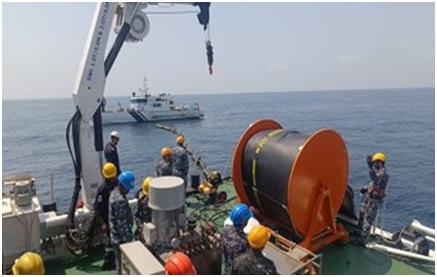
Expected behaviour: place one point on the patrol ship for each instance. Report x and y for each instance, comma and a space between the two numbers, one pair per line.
144, 107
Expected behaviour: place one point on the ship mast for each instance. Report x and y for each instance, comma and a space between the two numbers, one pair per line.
145, 88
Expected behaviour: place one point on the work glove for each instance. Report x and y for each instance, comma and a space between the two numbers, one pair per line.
369, 161
363, 190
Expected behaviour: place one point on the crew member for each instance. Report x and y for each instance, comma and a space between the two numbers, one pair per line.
144, 213
215, 179
28, 264
101, 208
253, 262
120, 215
233, 239
180, 157
179, 264
111, 154
374, 194
164, 165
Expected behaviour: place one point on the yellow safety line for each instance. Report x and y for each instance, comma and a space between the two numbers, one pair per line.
255, 158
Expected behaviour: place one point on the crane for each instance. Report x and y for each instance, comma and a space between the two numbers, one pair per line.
132, 25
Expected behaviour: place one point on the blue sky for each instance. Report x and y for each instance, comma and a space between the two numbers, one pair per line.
259, 47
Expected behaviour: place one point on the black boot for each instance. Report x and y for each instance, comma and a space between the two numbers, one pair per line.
109, 262
108, 265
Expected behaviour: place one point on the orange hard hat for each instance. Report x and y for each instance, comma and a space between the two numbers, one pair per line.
179, 264
165, 152
180, 140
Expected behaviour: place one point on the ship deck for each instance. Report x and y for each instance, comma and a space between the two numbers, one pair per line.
338, 259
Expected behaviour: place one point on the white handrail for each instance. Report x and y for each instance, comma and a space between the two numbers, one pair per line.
396, 251
422, 228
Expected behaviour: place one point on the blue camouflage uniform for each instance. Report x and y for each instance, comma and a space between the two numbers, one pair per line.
101, 209
120, 223
111, 155
253, 262
143, 214
181, 162
164, 167
374, 198
233, 243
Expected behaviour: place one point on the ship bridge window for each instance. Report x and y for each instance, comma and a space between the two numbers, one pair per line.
156, 105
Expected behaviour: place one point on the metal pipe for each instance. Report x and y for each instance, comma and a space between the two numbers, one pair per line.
396, 251
387, 235
60, 220
422, 228
431, 239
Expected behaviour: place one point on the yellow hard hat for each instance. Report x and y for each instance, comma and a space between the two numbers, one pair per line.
165, 152
201, 187
379, 157
29, 264
146, 184
207, 190
109, 171
258, 237
180, 140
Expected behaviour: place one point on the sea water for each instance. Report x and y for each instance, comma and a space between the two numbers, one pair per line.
397, 122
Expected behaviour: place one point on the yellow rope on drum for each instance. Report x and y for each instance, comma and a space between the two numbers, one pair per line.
261, 144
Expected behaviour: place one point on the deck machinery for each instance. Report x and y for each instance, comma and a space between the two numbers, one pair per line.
269, 163
198, 235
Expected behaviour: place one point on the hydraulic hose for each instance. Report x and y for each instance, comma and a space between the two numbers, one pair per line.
77, 239
74, 125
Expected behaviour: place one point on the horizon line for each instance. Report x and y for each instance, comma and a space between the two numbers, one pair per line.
233, 93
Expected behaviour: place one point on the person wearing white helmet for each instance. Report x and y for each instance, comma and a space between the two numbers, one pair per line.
111, 153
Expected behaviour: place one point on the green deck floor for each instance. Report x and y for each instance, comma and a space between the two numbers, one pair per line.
337, 259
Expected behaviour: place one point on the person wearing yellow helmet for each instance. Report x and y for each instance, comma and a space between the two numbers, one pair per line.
373, 195
143, 213
164, 165
181, 163
101, 207
253, 262
29, 264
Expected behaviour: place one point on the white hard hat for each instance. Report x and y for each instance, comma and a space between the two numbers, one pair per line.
251, 223
228, 222
115, 134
